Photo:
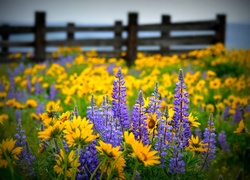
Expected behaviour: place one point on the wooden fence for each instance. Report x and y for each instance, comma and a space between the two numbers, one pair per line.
214, 28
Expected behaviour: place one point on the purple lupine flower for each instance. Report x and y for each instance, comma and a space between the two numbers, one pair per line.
226, 113
111, 130
119, 106
19, 69
139, 120
155, 102
93, 115
223, 142
40, 109
181, 109
11, 91
238, 114
26, 159
164, 137
52, 92
38, 89
18, 115
1, 87
88, 162
176, 164
181, 125
248, 108
155, 105
21, 96
29, 86
209, 138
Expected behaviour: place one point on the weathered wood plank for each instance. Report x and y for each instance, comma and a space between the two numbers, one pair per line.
85, 42
187, 26
132, 38
7, 43
40, 36
16, 29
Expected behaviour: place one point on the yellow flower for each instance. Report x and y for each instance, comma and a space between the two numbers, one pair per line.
3, 95
51, 131
65, 116
215, 84
151, 122
18, 105
192, 121
197, 99
144, 155
217, 97
31, 103
35, 116
146, 102
196, 145
210, 108
8, 151
71, 161
112, 154
210, 75
200, 85
241, 127
3, 117
78, 132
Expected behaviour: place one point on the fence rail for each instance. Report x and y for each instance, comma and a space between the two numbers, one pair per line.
216, 29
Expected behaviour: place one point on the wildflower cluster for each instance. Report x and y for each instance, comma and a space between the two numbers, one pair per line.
87, 119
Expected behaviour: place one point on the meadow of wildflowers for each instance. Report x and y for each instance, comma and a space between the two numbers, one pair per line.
83, 116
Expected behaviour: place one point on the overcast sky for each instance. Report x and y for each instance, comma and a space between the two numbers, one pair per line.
107, 11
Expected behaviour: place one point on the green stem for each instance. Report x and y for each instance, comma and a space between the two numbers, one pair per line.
66, 158
9, 164
92, 175
136, 165
77, 159
113, 165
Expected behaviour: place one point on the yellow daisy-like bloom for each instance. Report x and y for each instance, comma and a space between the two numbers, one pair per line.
18, 105
31, 103
71, 161
34, 116
3, 95
144, 155
78, 132
51, 131
241, 127
129, 140
210, 108
151, 122
210, 75
215, 84
64, 117
192, 121
112, 154
8, 150
196, 145
3, 117
53, 107
198, 99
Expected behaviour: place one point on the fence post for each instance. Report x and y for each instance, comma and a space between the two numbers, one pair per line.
132, 38
40, 23
165, 33
70, 32
118, 38
5, 37
221, 28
